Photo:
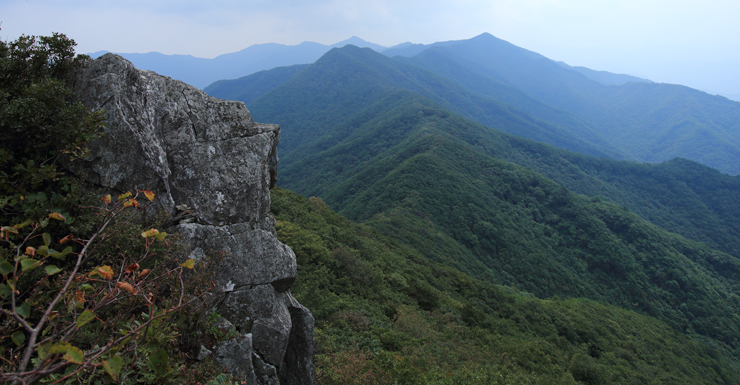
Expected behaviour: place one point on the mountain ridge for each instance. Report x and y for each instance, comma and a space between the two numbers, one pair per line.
201, 72
634, 115
637, 120
363, 69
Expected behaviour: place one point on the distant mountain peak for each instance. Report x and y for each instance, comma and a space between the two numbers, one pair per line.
356, 41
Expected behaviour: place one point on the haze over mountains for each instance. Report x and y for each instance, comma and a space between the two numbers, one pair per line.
201, 72
573, 108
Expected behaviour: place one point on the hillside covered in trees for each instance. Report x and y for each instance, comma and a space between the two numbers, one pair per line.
385, 313
461, 176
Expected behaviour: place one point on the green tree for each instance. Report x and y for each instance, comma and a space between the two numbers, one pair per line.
40, 121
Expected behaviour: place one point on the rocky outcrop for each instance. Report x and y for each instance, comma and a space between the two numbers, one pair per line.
211, 167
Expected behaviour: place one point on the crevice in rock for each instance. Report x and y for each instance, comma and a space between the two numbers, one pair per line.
297, 366
266, 374
199, 136
283, 285
236, 355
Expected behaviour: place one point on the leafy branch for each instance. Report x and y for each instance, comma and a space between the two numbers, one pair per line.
71, 297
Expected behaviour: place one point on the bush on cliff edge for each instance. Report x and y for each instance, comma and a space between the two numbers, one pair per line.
89, 290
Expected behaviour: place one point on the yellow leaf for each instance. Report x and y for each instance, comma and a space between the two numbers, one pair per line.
149, 195
57, 216
150, 233
104, 271
189, 264
74, 355
10, 229
71, 353
123, 197
106, 199
126, 286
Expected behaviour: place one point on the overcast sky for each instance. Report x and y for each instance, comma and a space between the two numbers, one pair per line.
690, 42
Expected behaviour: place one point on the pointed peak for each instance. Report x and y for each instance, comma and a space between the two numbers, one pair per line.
486, 36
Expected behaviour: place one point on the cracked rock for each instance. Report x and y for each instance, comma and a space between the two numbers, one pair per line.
211, 167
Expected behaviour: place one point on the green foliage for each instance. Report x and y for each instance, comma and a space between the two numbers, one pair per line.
39, 123
68, 321
90, 290
387, 329
526, 231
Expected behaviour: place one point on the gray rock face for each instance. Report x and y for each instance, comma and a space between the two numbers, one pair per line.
212, 166
297, 368
236, 355
193, 149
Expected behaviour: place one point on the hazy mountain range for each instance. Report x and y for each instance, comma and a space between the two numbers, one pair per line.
587, 111
201, 72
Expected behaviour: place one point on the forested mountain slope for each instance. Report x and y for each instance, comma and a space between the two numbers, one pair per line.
646, 121
386, 314
413, 178
358, 77
438, 60
320, 105
248, 88
605, 77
